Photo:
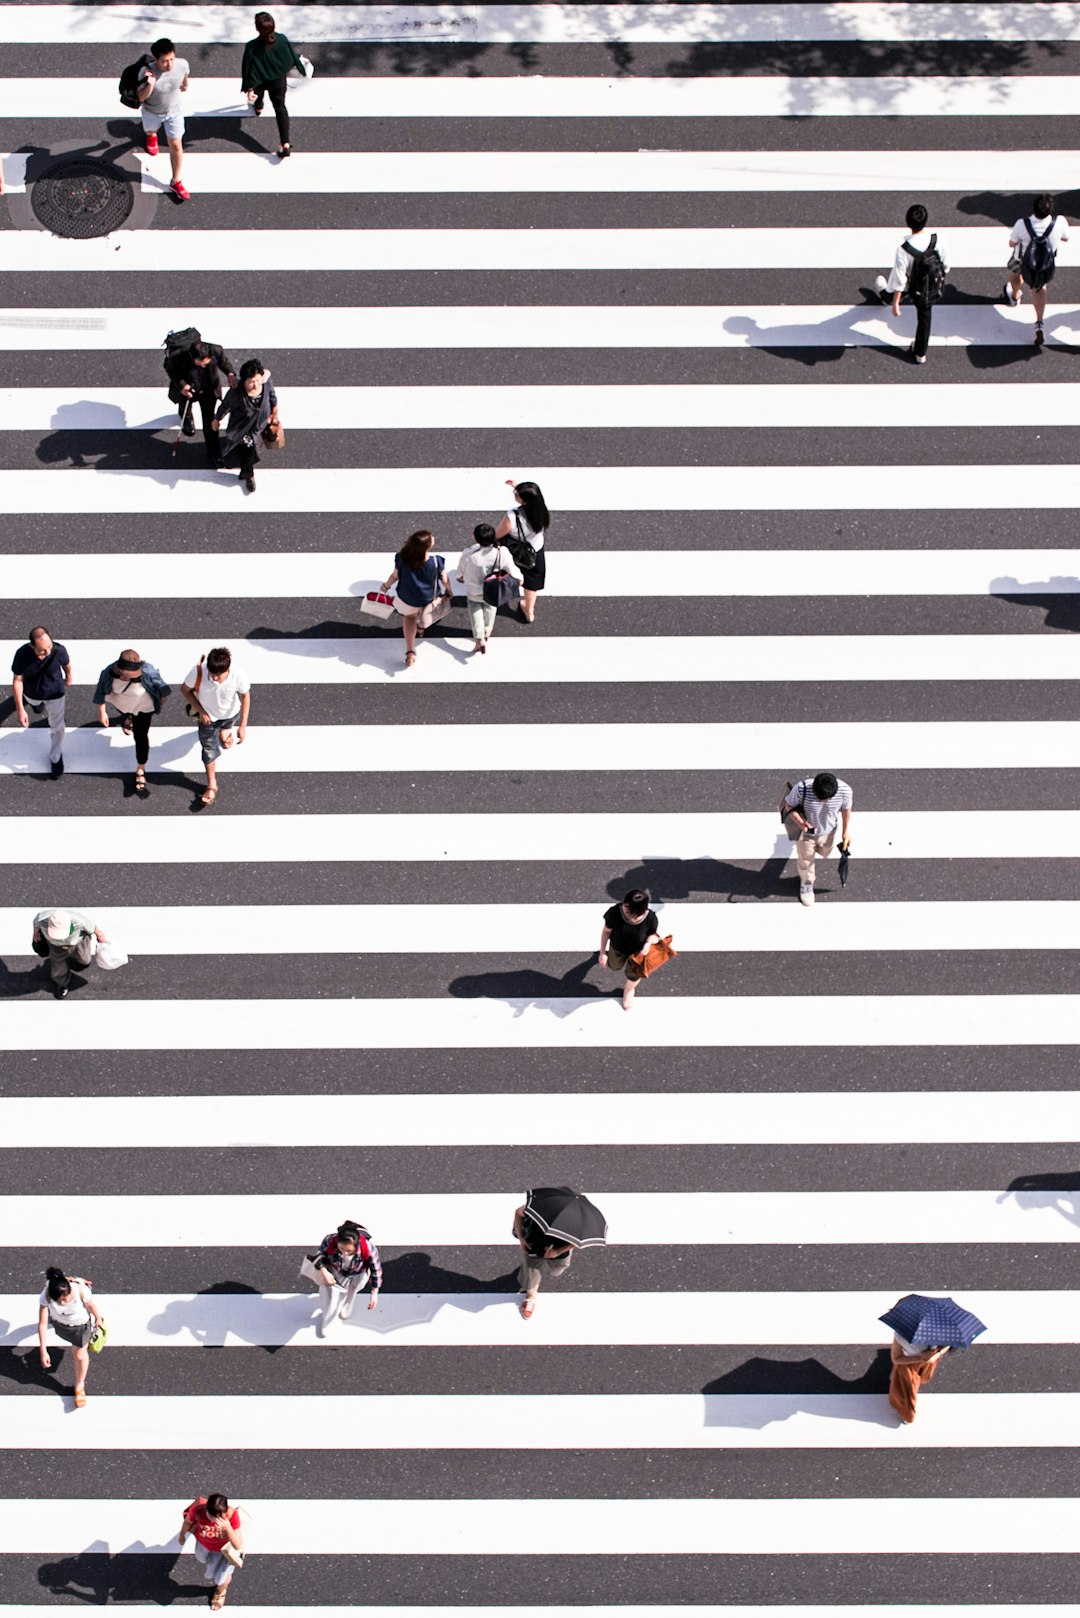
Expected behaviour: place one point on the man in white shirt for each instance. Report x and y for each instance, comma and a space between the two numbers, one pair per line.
812, 809
908, 276
219, 694
1033, 246
162, 81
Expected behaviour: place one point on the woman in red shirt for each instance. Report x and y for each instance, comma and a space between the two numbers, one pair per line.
214, 1525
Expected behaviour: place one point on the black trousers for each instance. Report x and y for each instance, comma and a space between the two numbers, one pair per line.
275, 89
244, 456
207, 403
140, 730
924, 315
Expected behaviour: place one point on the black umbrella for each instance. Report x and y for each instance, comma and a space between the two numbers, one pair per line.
845, 861
566, 1216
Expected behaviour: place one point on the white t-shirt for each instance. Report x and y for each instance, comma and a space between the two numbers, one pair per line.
513, 516
71, 1313
475, 564
129, 696
220, 699
1019, 235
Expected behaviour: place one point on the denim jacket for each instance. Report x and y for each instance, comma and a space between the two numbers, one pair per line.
152, 683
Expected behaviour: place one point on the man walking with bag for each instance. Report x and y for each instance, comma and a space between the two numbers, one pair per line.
1033, 246
812, 810
162, 80
919, 271
67, 938
218, 693
196, 371
42, 674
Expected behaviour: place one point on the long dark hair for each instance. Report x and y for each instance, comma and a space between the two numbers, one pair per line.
264, 25
57, 1284
414, 552
536, 512
216, 1505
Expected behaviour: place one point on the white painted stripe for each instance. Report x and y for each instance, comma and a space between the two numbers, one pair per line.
538, 96
347, 575
707, 248
565, 23
503, 929
577, 659
544, 326
918, 489
677, 1118
539, 1421
426, 173
788, 1022
584, 404
296, 749
567, 1319
936, 1524
376, 839
758, 1218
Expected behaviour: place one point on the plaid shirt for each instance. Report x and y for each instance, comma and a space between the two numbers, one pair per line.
345, 1266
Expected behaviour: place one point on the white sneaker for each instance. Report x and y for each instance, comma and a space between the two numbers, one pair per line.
806, 893
881, 287
1010, 297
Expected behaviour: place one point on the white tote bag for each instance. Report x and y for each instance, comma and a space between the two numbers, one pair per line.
307, 66
109, 956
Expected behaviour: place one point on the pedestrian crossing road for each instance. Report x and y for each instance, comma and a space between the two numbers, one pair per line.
627, 251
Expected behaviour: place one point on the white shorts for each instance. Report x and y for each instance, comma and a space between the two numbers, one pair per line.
173, 122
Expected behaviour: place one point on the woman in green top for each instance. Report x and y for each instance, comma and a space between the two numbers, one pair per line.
267, 59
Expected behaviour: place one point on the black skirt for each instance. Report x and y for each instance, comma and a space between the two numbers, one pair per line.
534, 578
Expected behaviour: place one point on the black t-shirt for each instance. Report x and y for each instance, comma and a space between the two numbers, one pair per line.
627, 937
43, 678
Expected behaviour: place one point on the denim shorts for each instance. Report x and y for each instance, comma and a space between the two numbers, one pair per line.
210, 737
173, 122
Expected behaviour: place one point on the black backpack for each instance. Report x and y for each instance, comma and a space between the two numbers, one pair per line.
129, 83
1038, 260
926, 282
177, 343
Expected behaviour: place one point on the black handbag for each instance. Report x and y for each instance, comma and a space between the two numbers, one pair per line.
500, 587
39, 946
520, 549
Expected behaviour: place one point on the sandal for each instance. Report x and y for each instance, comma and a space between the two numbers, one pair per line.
208, 796
284, 150
80, 1397
527, 1306
410, 659
128, 724
217, 1600
140, 780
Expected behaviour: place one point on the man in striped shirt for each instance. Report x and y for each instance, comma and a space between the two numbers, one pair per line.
812, 810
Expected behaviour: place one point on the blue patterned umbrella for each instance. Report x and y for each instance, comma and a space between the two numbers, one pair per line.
933, 1322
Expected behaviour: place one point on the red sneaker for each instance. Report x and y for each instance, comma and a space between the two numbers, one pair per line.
151, 146
180, 190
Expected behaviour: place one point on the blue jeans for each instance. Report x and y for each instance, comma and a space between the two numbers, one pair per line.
210, 736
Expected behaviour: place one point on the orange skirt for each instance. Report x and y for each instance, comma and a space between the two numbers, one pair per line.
908, 1375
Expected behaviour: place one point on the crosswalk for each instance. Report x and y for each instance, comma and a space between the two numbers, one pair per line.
626, 250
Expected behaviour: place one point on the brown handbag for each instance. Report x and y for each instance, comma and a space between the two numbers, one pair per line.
650, 960
273, 437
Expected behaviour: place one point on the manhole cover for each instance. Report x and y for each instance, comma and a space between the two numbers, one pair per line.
82, 198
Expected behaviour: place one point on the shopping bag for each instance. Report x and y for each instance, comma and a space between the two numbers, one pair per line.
109, 956
377, 605
652, 959
309, 1272
99, 1339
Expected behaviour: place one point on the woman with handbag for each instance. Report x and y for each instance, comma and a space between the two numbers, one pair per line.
423, 594
219, 1544
137, 691
629, 928
67, 1307
252, 409
523, 528
490, 579
346, 1261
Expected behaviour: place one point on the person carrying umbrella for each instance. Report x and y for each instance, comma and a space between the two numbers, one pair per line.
549, 1225
924, 1331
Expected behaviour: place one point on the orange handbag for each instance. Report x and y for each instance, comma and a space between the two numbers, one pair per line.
657, 955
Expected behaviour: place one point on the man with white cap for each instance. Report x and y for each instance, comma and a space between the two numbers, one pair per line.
65, 936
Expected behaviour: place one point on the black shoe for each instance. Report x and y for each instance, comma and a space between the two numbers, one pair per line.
60, 991
249, 483
57, 769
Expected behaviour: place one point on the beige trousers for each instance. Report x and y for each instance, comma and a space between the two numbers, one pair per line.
808, 848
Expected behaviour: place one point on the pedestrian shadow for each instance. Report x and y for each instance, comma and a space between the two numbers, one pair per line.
829, 339
140, 1572
26, 1370
1058, 597
419, 1274
1058, 1190
668, 879
763, 1390
209, 1325
14, 984
232, 124
93, 435
1005, 208
365, 647
529, 987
